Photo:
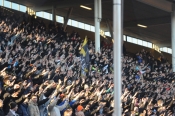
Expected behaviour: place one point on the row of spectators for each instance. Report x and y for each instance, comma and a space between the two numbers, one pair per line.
40, 75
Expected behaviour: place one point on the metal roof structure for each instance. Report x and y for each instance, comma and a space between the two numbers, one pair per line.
155, 14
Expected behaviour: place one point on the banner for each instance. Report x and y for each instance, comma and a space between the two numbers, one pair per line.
84, 58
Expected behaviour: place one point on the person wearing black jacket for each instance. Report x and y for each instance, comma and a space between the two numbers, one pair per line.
1, 108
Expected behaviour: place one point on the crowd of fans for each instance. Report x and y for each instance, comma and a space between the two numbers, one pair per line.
40, 75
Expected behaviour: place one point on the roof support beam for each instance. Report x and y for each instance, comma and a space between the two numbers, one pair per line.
53, 14
160, 4
67, 18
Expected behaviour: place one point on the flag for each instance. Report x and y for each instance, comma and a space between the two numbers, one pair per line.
84, 58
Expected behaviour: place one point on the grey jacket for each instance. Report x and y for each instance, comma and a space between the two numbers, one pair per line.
11, 114
33, 109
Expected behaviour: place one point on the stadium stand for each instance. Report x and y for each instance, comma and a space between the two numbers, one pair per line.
41, 75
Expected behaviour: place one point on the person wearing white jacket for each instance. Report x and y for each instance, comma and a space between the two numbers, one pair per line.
53, 109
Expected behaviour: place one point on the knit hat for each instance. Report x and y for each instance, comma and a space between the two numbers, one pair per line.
12, 105
79, 108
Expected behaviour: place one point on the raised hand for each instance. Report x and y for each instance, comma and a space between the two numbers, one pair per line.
16, 86
65, 79
27, 95
83, 80
25, 83
34, 69
12, 83
28, 85
59, 82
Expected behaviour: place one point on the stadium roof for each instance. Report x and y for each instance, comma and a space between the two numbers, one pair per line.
155, 14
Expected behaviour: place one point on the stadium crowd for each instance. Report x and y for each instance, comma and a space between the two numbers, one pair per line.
40, 75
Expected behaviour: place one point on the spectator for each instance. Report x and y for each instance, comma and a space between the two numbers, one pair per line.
33, 106
79, 111
1, 108
53, 109
68, 112
13, 109
23, 108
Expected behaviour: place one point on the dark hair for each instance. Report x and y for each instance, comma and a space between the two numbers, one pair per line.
12, 105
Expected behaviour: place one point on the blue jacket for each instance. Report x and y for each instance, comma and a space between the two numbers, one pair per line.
139, 59
23, 110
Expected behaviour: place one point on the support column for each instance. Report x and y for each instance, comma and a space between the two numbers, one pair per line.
122, 13
53, 14
67, 18
97, 8
173, 37
117, 26
110, 28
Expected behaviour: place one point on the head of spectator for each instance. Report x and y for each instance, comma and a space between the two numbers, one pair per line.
80, 110
68, 112
13, 106
34, 98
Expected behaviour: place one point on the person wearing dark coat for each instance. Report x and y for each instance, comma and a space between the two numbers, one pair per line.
13, 109
23, 108
1, 110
